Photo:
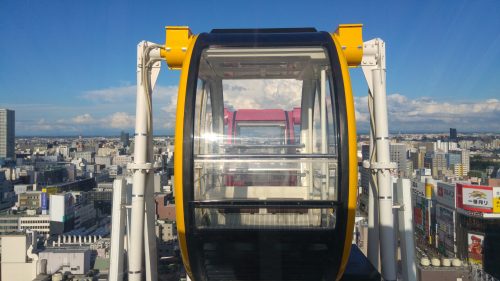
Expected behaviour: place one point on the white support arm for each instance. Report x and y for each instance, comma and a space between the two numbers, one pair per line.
148, 68
374, 68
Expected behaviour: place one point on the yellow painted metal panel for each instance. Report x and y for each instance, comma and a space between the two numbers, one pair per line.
350, 38
353, 169
177, 40
178, 159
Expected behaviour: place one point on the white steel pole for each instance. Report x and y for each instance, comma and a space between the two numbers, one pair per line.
149, 215
142, 167
139, 174
373, 65
387, 253
405, 223
117, 231
149, 231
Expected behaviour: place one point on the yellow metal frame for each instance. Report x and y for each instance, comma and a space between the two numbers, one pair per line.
178, 159
353, 169
179, 46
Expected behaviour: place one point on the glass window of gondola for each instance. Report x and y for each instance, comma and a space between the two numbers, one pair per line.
264, 131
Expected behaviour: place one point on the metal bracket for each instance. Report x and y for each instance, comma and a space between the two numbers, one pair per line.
375, 166
399, 207
374, 53
373, 58
139, 166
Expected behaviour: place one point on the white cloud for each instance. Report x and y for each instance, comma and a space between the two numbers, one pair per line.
426, 114
119, 120
113, 109
240, 94
83, 119
164, 106
41, 125
168, 112
111, 95
165, 92
260, 94
84, 123
361, 109
405, 114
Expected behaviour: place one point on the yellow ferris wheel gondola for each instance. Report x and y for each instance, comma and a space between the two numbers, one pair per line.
265, 153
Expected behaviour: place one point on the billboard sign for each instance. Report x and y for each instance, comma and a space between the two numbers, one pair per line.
445, 218
475, 248
50, 190
445, 214
446, 194
475, 198
428, 223
45, 205
446, 244
58, 207
418, 218
496, 200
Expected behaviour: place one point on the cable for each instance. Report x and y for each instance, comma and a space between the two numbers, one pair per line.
372, 141
146, 64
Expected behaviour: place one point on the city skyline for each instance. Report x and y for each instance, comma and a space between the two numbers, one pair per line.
77, 76
56, 178
281, 172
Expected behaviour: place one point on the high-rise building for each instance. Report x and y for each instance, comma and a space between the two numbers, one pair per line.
453, 158
453, 134
465, 161
7, 133
437, 162
125, 139
63, 150
398, 155
417, 158
458, 170
441, 146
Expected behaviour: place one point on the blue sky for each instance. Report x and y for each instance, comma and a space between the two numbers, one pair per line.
68, 67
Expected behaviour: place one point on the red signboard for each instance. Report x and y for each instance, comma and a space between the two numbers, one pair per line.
418, 219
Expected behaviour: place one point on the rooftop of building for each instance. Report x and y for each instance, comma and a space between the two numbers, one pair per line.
67, 249
42, 277
13, 234
8, 213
